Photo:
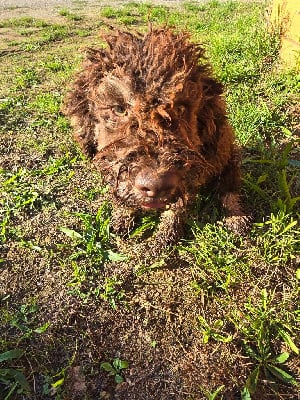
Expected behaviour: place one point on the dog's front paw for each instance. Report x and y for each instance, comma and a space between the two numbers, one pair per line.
122, 221
169, 229
168, 232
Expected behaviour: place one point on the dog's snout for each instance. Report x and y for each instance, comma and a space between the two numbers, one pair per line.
151, 183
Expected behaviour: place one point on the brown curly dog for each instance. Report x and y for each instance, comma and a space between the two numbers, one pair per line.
152, 118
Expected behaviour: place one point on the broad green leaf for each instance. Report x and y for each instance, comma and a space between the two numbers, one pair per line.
140, 230
120, 364
272, 380
281, 374
18, 377
251, 382
288, 340
205, 337
298, 274
71, 233
42, 328
108, 368
112, 256
11, 354
119, 378
281, 358
245, 394
251, 353
286, 131
222, 338
218, 324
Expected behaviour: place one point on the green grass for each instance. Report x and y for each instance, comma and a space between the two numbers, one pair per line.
69, 15
215, 316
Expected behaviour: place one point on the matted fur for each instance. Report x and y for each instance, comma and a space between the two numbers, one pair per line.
150, 115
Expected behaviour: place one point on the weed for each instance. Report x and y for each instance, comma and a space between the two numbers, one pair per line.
148, 223
23, 321
47, 103
108, 12
192, 6
92, 243
278, 239
134, 13
213, 331
278, 169
55, 65
213, 395
56, 165
158, 14
12, 115
112, 292
26, 78
263, 325
141, 269
269, 366
69, 15
82, 32
127, 20
255, 116
115, 369
52, 386
24, 22
19, 195
91, 193
219, 264
12, 380
57, 32
53, 383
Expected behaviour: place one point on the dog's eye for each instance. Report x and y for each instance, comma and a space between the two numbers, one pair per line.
131, 156
119, 110
178, 163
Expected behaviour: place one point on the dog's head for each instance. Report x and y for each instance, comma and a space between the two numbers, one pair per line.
148, 113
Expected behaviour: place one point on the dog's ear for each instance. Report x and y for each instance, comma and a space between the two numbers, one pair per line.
212, 115
212, 88
76, 106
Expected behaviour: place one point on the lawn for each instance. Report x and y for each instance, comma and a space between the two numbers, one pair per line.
85, 315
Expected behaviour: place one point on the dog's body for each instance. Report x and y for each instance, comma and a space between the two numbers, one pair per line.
152, 118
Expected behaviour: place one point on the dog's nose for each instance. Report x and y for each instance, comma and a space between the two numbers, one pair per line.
150, 183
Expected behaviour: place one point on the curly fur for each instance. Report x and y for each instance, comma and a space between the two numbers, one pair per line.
149, 113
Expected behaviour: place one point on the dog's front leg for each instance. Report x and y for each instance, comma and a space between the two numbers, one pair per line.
229, 190
122, 220
170, 227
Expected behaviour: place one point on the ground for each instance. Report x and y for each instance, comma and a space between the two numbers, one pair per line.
84, 313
